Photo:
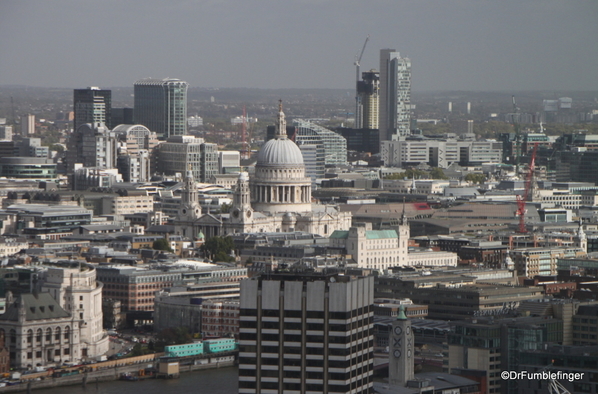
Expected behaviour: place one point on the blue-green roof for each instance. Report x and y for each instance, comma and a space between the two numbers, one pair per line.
381, 234
339, 234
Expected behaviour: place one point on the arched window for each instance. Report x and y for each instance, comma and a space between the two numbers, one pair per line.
29, 337
49, 335
67, 332
57, 334
38, 335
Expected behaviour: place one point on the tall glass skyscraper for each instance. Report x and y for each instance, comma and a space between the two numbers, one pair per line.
395, 95
92, 105
368, 91
161, 106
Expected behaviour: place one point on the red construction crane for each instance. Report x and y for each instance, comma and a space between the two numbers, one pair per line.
522, 200
244, 144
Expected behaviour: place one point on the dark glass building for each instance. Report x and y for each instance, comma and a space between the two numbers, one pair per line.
161, 106
92, 105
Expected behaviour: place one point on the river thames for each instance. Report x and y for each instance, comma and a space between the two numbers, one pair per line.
212, 381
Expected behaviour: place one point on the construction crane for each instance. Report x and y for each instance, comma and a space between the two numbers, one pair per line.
12, 104
358, 111
526, 193
244, 144
517, 135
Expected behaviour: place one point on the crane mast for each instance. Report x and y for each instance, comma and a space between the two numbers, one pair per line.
245, 148
358, 107
522, 200
517, 135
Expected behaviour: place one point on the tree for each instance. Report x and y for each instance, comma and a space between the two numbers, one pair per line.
409, 174
218, 248
172, 336
475, 178
162, 244
57, 147
437, 173
225, 208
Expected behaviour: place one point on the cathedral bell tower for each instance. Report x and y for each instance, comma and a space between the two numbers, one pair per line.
582, 238
189, 209
241, 211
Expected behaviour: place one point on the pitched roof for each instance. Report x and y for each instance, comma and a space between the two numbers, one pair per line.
37, 307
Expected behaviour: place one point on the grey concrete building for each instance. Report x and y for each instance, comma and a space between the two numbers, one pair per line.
306, 333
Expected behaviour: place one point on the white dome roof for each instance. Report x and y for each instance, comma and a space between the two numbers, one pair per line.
280, 152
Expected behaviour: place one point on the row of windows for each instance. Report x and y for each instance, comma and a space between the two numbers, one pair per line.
309, 314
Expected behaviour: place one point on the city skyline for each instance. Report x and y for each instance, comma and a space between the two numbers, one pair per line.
459, 45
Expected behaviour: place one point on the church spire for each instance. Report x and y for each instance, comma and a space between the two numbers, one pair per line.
281, 123
189, 194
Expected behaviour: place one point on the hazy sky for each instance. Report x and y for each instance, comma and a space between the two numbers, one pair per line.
452, 44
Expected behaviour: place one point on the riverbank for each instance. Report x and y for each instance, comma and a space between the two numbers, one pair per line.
91, 378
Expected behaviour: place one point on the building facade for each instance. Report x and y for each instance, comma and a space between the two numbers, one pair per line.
179, 153
91, 145
368, 93
78, 292
375, 249
294, 334
395, 95
92, 105
161, 105
38, 331
335, 145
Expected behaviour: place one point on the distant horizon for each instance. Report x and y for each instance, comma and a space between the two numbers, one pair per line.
338, 89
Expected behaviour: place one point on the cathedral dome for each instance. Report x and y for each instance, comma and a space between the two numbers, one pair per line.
280, 152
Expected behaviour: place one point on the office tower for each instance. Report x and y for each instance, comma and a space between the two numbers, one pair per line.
5, 133
395, 95
27, 125
92, 105
368, 92
136, 144
179, 152
161, 106
92, 145
122, 116
306, 332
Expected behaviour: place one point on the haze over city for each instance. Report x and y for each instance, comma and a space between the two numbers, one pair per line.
502, 45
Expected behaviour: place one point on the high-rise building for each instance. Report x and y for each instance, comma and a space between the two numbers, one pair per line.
5, 133
306, 332
92, 105
395, 95
368, 90
335, 145
27, 125
179, 153
122, 116
92, 145
161, 105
